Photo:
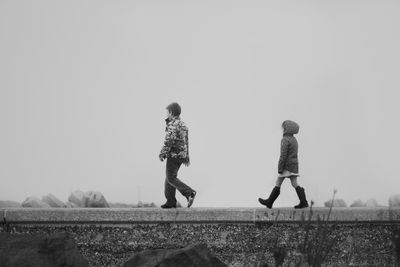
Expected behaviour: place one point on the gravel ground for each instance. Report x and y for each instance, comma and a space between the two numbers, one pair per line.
238, 244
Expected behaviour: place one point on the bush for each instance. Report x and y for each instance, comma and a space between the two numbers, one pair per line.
335, 203
358, 203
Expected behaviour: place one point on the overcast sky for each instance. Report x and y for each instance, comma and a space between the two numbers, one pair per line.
84, 86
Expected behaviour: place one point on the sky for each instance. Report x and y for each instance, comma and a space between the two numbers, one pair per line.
84, 86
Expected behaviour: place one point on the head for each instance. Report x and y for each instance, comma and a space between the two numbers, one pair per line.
173, 110
290, 127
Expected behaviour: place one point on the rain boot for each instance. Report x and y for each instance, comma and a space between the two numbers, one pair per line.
302, 196
272, 197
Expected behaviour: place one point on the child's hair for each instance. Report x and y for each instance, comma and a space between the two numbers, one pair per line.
174, 108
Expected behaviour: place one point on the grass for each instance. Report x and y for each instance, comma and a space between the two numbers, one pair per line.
318, 242
315, 248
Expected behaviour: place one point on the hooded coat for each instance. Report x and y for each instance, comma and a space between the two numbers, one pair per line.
289, 148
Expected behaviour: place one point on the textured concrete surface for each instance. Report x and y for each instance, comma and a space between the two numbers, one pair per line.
236, 244
197, 215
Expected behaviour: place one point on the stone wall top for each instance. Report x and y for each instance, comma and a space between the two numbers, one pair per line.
196, 215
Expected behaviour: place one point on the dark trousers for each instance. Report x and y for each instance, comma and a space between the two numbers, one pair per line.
172, 182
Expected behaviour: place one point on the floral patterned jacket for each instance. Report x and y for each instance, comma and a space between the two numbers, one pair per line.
176, 143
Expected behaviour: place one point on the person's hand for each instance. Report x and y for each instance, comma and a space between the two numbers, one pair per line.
161, 157
186, 162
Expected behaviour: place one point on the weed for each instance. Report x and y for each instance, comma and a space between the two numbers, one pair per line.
316, 246
396, 243
318, 242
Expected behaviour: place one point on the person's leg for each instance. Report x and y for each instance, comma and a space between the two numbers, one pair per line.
279, 181
169, 192
293, 180
173, 166
274, 193
300, 193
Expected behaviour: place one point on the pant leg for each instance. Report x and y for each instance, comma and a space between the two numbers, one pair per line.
173, 166
169, 192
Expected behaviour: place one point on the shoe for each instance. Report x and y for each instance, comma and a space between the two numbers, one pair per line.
302, 196
165, 206
190, 199
272, 197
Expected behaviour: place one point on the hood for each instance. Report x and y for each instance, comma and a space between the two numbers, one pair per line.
290, 127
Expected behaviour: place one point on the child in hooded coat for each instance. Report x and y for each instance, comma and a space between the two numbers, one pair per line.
288, 166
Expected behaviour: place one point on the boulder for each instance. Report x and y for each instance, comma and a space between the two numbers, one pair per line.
358, 203
336, 203
371, 203
70, 204
146, 205
93, 199
190, 256
394, 200
77, 197
25, 250
9, 204
34, 202
53, 201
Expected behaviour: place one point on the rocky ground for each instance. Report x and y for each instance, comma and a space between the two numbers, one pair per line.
238, 244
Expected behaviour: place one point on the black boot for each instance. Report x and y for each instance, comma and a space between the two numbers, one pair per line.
272, 197
167, 206
302, 196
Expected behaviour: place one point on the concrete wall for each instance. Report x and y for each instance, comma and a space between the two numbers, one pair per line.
200, 215
239, 237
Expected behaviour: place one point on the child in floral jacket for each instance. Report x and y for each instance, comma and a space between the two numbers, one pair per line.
176, 144
288, 166
176, 151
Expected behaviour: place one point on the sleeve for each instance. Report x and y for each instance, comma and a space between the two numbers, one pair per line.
284, 155
187, 159
170, 137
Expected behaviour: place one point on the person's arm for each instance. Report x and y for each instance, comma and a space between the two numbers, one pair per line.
170, 137
284, 155
187, 159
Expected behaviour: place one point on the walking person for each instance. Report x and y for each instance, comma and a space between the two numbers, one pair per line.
176, 151
288, 166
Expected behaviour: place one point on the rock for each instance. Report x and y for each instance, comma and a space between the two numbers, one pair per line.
93, 199
34, 202
146, 205
9, 204
90, 199
53, 201
394, 200
70, 204
336, 203
371, 203
190, 256
358, 203
77, 197
25, 250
